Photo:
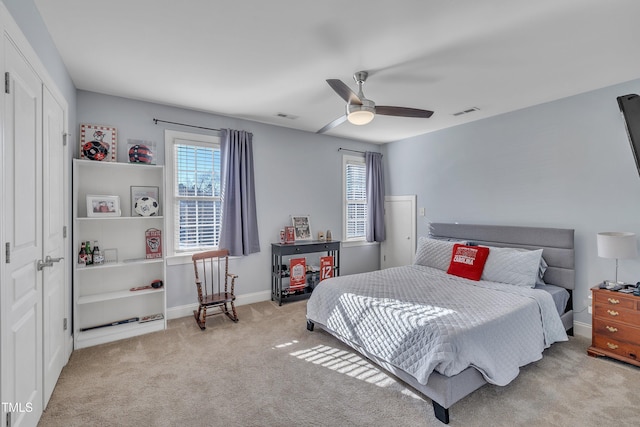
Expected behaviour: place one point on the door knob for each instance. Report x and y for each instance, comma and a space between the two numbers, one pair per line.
42, 264
48, 262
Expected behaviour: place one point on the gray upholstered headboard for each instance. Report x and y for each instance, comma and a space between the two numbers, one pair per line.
557, 244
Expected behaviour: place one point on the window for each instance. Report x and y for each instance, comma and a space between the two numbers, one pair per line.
193, 191
355, 198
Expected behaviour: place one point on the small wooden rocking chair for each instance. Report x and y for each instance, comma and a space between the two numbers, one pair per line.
207, 268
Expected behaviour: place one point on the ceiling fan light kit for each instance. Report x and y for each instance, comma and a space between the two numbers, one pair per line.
360, 110
360, 114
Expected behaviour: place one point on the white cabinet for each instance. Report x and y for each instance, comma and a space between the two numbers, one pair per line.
102, 293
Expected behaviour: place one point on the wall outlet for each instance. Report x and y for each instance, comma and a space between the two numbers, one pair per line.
421, 211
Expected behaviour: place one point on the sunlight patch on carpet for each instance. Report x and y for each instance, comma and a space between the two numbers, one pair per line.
347, 363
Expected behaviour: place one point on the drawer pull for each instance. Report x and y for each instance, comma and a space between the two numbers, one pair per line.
612, 346
613, 301
612, 329
613, 313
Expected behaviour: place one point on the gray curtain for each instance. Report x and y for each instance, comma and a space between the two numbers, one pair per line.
239, 232
375, 197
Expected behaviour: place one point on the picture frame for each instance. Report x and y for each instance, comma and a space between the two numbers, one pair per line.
142, 191
103, 206
98, 143
302, 226
289, 234
110, 256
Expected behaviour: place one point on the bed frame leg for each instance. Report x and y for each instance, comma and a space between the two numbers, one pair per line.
441, 412
310, 325
570, 332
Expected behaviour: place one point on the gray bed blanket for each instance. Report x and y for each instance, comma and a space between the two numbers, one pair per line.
420, 319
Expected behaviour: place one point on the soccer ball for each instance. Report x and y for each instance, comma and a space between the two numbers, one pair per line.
95, 150
140, 154
146, 206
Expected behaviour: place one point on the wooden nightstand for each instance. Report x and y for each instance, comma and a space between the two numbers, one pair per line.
615, 326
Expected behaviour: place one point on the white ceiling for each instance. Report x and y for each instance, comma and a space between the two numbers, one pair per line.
256, 59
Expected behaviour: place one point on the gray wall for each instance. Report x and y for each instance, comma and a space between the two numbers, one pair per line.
296, 173
26, 15
565, 164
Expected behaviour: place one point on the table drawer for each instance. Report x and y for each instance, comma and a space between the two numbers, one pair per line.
614, 299
616, 347
609, 313
615, 330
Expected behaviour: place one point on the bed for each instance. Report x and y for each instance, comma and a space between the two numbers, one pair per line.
444, 335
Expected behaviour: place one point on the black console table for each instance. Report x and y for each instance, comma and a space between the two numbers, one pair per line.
280, 290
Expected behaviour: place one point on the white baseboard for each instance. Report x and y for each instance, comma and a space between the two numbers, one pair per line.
187, 310
582, 329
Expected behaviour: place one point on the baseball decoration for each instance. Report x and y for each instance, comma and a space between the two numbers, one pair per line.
140, 154
146, 206
98, 143
96, 149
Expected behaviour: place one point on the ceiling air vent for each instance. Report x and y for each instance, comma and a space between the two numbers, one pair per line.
467, 111
286, 116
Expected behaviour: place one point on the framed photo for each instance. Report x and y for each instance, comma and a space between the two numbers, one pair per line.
289, 234
103, 206
149, 209
110, 255
153, 243
98, 142
302, 226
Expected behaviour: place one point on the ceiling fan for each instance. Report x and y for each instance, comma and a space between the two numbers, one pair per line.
360, 110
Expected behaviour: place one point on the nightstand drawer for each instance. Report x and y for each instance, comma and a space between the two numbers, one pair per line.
617, 347
615, 299
618, 314
615, 330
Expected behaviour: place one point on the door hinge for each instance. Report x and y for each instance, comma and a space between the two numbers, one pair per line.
65, 138
7, 253
64, 231
7, 83
64, 324
8, 419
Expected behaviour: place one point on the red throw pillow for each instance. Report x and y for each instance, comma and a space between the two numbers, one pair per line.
468, 261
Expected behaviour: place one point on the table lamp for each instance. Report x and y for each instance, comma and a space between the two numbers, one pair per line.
618, 245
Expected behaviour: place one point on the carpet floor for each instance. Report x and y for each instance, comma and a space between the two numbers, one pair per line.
268, 370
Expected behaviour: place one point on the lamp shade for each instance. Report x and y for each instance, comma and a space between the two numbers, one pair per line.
617, 244
360, 114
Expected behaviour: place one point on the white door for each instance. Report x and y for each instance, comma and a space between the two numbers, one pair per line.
400, 226
21, 288
55, 276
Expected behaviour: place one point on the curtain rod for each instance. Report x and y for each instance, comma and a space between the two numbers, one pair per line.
353, 151
183, 124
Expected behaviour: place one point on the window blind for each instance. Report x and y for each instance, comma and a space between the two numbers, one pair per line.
197, 206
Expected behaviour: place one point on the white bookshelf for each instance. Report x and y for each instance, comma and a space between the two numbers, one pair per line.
102, 293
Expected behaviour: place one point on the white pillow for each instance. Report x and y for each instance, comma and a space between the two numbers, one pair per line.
541, 270
513, 266
434, 253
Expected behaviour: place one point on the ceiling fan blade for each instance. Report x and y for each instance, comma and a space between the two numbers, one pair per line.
333, 124
403, 111
344, 91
